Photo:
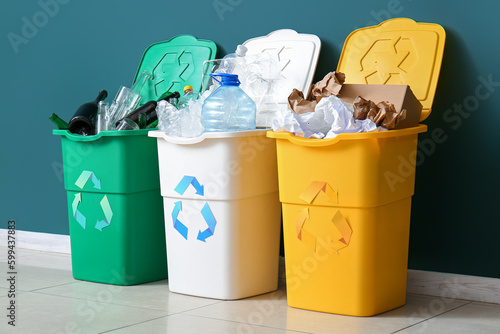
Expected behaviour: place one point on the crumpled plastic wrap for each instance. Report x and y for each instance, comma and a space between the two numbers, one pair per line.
383, 114
184, 122
331, 116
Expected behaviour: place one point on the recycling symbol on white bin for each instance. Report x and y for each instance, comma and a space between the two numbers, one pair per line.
207, 214
106, 208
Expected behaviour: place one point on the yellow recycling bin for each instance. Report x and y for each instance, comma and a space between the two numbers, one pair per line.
347, 200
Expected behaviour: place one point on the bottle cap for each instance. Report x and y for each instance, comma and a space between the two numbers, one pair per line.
241, 50
188, 87
226, 79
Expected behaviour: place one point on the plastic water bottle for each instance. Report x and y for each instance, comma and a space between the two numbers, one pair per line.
189, 95
234, 62
228, 108
168, 116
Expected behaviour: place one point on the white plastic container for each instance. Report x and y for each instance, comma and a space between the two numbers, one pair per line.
222, 213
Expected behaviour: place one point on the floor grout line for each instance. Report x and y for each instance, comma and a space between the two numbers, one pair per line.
138, 323
451, 299
48, 287
432, 317
117, 304
198, 307
104, 303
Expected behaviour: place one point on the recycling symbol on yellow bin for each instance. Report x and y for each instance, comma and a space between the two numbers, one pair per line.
338, 220
389, 61
106, 208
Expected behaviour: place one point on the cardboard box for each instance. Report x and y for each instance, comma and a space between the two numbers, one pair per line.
400, 95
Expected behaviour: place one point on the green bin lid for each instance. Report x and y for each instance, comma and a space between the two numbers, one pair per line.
174, 64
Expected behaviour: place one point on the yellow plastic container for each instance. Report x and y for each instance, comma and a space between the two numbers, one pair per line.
347, 200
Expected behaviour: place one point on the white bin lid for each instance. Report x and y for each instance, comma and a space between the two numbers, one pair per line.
297, 54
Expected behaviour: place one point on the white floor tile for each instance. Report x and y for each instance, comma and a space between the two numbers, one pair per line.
271, 310
3, 253
477, 318
154, 295
46, 260
39, 270
39, 313
3, 292
184, 324
22, 252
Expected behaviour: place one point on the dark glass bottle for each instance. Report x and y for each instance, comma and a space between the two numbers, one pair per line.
142, 121
61, 124
167, 96
82, 121
149, 109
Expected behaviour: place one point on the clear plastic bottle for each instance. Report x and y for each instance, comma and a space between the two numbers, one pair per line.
168, 117
234, 63
189, 95
228, 108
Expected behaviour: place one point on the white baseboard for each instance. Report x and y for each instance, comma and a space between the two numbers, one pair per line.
446, 285
47, 242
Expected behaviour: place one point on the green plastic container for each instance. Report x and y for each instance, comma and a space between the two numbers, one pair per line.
115, 208
116, 222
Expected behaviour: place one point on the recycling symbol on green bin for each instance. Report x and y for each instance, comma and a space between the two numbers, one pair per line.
106, 208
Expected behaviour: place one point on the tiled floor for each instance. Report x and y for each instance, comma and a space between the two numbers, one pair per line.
49, 300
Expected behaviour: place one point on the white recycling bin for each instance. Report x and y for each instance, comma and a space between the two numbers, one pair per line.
222, 213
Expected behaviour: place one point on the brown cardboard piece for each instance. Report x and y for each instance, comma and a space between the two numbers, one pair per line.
400, 95
330, 85
299, 104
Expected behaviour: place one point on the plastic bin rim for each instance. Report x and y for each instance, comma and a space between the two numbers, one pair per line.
207, 135
77, 137
346, 136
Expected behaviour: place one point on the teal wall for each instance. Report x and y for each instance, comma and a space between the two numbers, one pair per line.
81, 47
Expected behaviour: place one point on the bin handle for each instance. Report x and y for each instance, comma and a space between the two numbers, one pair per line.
77, 137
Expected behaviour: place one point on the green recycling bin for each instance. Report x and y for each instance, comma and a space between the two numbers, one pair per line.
116, 222
116, 217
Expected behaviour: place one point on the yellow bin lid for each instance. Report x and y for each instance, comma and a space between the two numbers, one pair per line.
396, 52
